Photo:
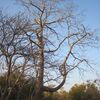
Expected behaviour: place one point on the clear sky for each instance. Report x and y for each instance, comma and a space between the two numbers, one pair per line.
91, 16
91, 9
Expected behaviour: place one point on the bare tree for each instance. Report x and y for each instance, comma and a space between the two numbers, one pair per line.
12, 59
48, 43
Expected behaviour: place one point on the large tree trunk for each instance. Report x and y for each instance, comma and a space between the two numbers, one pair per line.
40, 70
38, 92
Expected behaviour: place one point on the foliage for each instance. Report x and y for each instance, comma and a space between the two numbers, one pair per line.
60, 95
19, 91
87, 91
77, 92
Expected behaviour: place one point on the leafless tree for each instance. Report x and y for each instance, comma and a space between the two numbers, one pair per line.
46, 45
12, 58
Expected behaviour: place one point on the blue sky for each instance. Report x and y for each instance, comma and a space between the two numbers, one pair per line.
91, 16
91, 9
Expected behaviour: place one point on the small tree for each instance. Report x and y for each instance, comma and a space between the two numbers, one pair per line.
77, 92
87, 91
11, 58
